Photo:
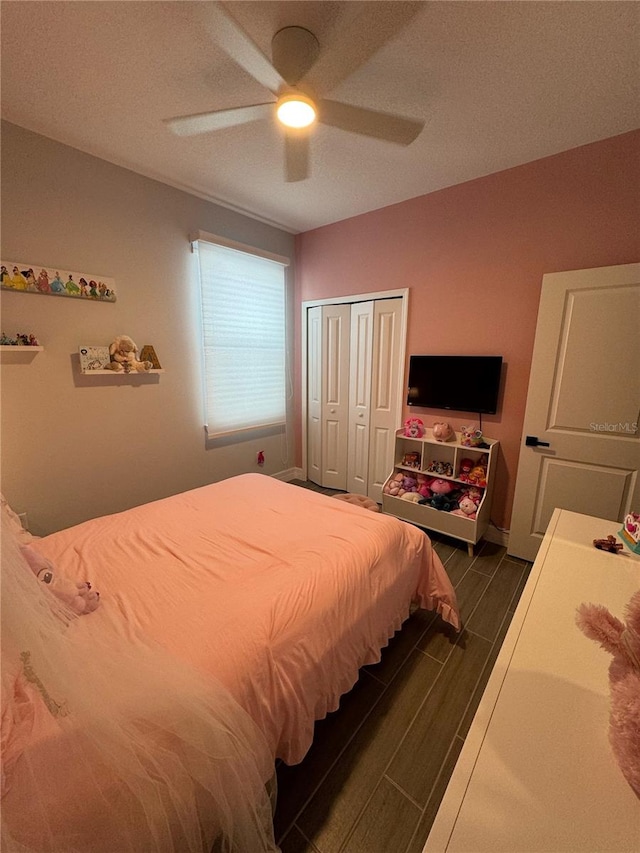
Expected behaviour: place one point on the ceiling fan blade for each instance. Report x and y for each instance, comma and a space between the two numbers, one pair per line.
296, 150
235, 42
357, 41
205, 122
385, 126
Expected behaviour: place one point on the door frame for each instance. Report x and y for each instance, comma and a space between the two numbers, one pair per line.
402, 293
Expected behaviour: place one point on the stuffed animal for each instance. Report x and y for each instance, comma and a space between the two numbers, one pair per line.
444, 503
394, 485
442, 487
124, 357
443, 432
412, 497
466, 508
409, 483
623, 642
471, 436
78, 597
474, 493
413, 428
423, 485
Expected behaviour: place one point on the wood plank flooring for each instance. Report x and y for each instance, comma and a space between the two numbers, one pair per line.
378, 767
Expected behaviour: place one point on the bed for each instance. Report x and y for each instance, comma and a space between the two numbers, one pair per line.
276, 594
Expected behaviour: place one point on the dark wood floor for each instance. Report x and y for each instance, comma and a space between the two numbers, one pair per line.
378, 767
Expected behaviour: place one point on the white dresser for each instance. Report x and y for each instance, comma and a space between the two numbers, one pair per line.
537, 772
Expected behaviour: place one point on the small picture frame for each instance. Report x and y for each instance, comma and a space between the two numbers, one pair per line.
94, 358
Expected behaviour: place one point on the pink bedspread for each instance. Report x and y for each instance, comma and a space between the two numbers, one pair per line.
279, 592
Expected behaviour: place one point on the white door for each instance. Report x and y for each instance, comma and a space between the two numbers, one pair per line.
387, 387
314, 395
360, 355
581, 445
335, 395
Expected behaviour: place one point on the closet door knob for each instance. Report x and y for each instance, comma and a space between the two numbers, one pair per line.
361, 415
332, 411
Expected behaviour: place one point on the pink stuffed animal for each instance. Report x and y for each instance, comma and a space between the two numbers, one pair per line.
623, 642
423, 485
442, 487
466, 508
394, 485
78, 597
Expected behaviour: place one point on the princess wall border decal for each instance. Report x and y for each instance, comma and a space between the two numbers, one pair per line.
51, 281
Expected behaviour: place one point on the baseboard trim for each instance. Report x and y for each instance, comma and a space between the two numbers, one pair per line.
498, 537
289, 474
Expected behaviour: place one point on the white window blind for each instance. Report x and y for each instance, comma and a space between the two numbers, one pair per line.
243, 298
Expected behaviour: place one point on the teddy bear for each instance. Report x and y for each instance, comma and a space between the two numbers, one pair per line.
124, 356
443, 432
623, 642
79, 597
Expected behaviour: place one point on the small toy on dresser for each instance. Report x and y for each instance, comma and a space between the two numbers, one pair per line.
608, 544
630, 533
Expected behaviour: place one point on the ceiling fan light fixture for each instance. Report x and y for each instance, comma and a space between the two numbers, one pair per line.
296, 111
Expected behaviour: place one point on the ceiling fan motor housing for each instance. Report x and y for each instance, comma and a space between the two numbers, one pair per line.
293, 51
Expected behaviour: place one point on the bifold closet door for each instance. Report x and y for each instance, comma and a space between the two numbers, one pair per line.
354, 378
331, 367
360, 356
314, 395
387, 384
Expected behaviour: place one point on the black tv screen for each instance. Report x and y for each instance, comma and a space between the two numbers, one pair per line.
463, 383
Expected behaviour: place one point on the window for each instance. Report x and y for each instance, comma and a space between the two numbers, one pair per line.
243, 298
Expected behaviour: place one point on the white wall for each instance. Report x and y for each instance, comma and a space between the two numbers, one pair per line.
74, 447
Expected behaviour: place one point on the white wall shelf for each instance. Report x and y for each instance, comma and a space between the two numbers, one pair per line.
451, 452
25, 348
132, 373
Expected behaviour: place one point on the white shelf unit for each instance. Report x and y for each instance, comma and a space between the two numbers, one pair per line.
469, 530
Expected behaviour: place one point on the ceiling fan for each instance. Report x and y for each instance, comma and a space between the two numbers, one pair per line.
296, 75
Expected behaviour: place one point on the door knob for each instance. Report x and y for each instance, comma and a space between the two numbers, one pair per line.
361, 415
533, 441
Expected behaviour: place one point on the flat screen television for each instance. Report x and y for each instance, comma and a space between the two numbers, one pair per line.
462, 383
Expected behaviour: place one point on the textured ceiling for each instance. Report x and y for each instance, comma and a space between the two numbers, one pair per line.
497, 85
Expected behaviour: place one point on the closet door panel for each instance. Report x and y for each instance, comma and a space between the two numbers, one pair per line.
335, 394
360, 351
314, 395
386, 387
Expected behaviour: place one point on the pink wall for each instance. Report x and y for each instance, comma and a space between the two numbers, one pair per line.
473, 257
